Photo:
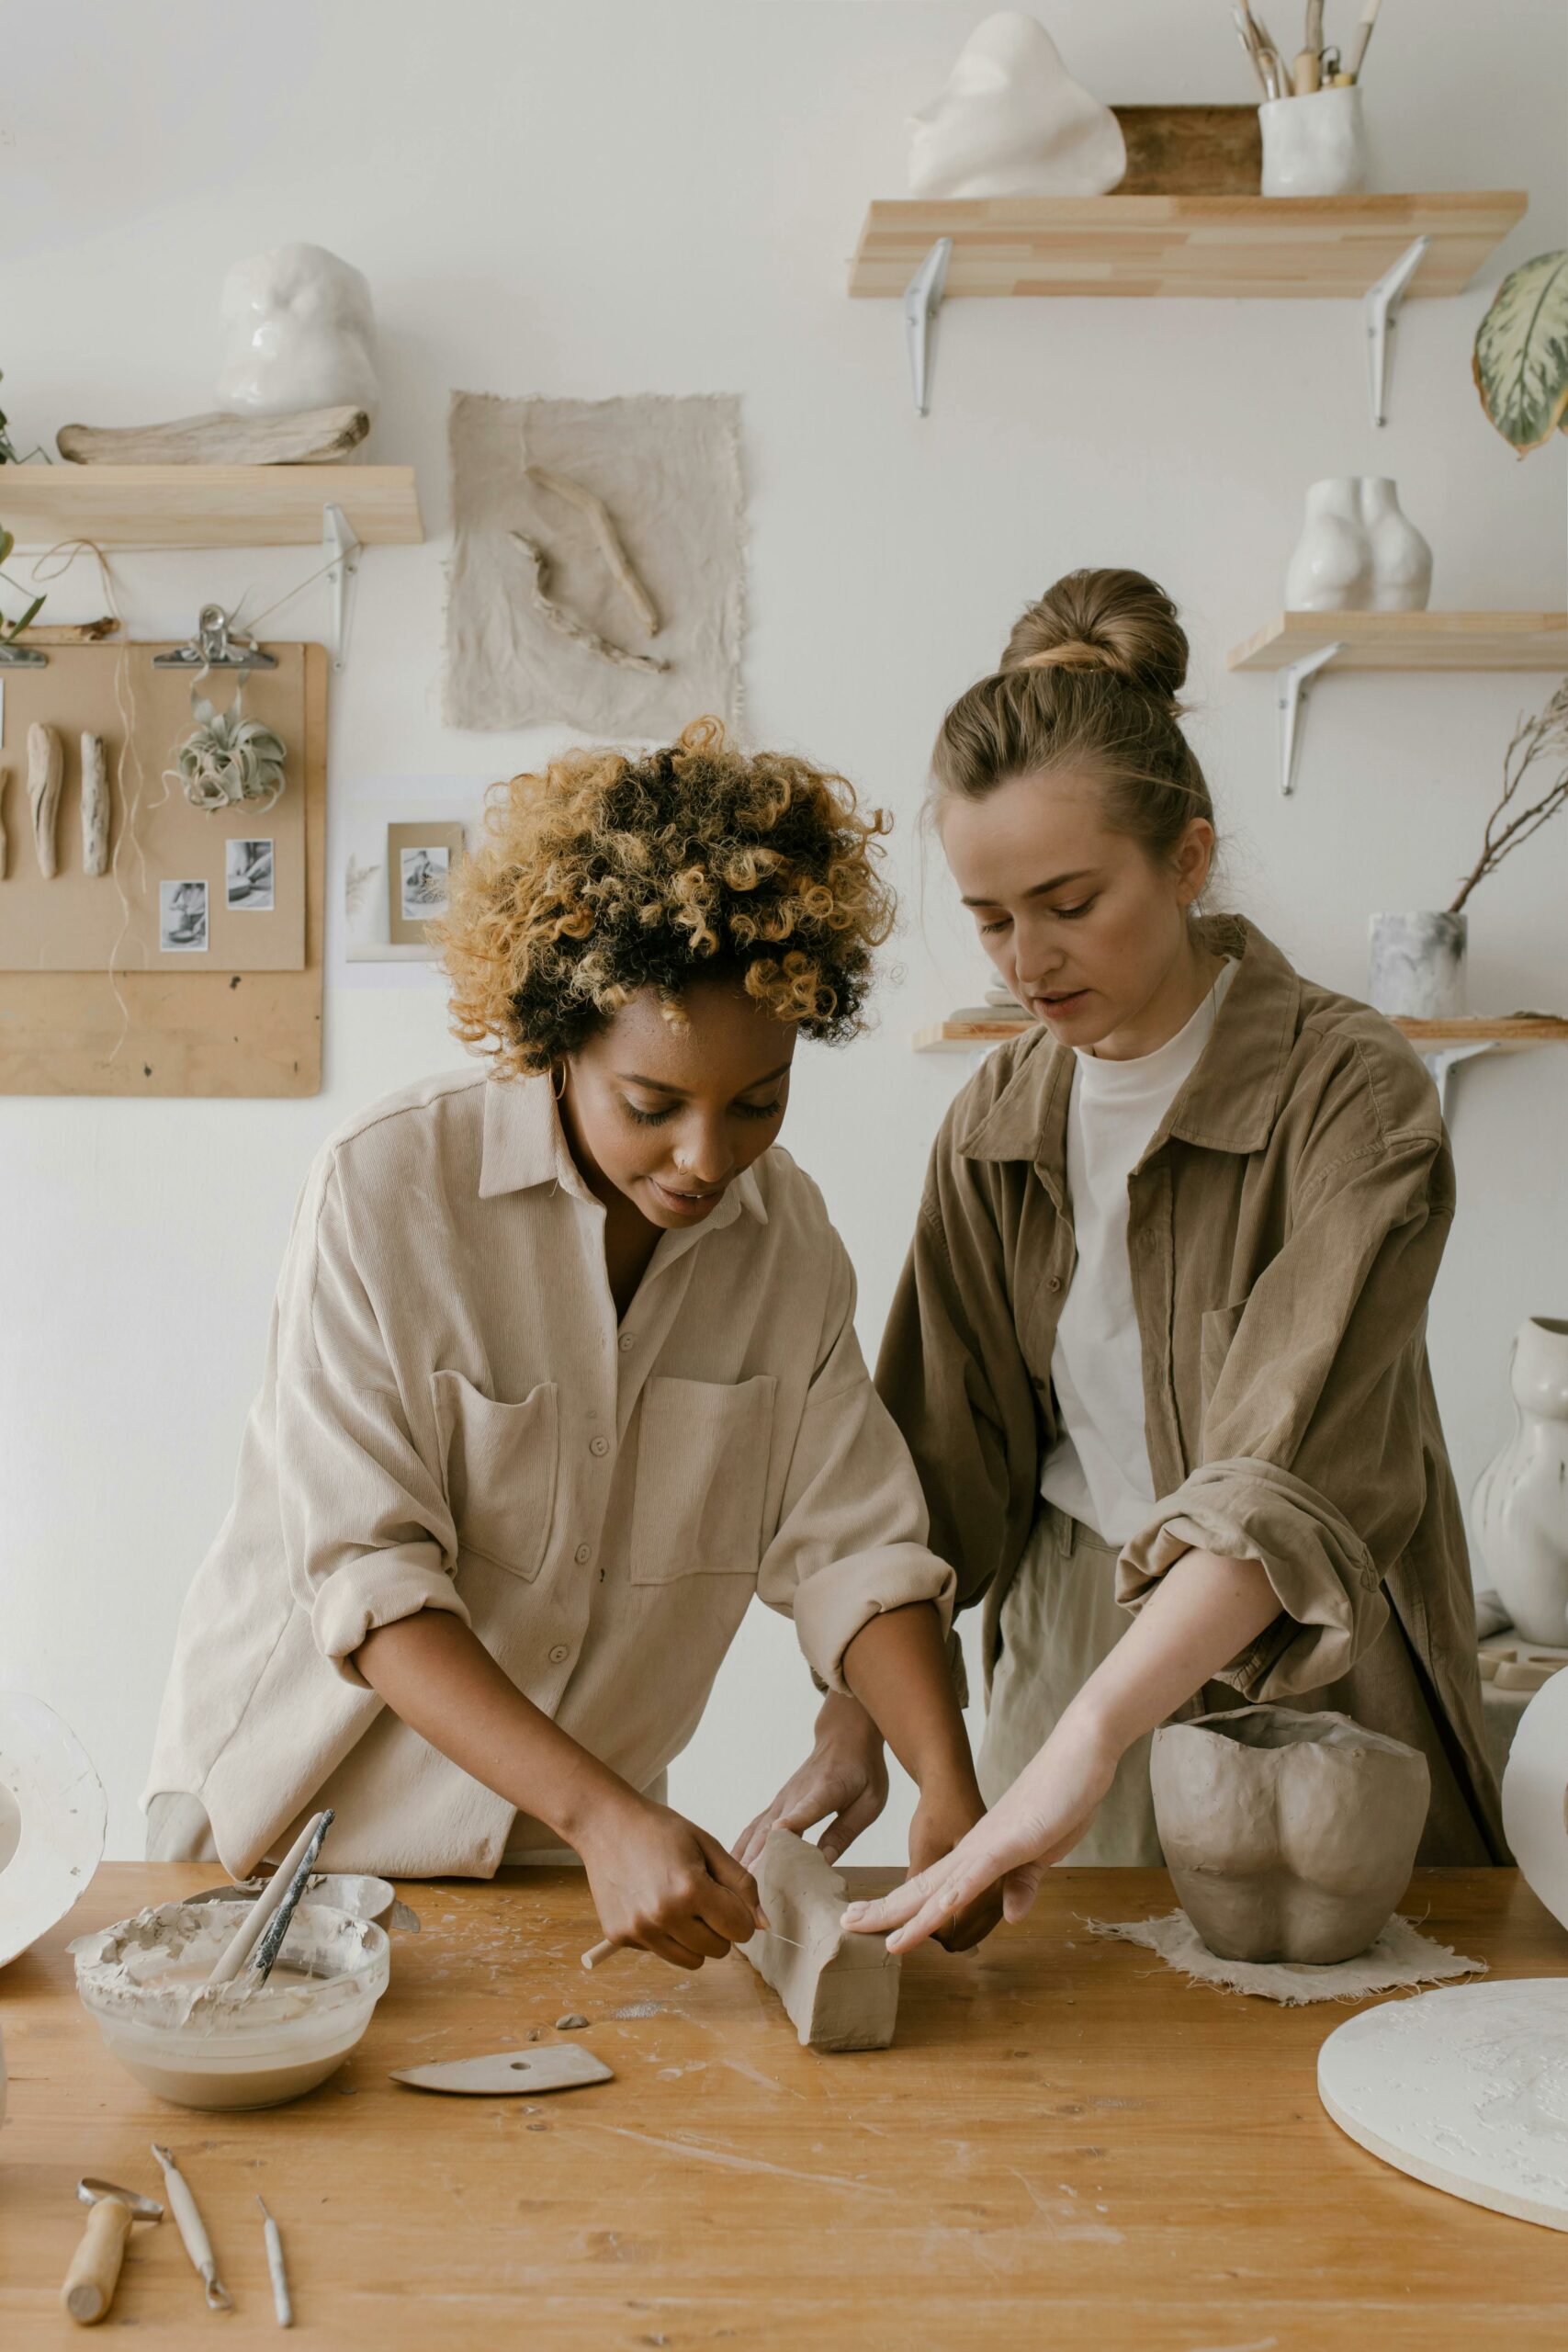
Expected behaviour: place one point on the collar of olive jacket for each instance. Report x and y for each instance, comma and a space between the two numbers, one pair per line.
1229, 1102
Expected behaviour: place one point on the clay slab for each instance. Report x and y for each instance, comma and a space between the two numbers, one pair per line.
840, 1991
1466, 2089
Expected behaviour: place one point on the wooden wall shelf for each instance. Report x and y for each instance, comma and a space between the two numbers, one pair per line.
208, 506
1410, 641
1294, 248
1510, 1035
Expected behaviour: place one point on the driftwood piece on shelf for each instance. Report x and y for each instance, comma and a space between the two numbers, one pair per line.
314, 437
610, 548
70, 632
46, 766
94, 806
1190, 151
567, 623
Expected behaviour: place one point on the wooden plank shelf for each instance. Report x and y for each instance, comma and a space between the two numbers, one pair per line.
1512, 1034
1289, 248
208, 506
1410, 641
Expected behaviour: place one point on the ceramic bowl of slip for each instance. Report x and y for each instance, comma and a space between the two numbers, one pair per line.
143, 1982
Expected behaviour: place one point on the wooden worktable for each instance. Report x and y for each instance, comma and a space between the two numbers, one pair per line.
1069, 2146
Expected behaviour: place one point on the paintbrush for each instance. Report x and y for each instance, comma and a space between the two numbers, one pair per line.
1363, 36
1308, 70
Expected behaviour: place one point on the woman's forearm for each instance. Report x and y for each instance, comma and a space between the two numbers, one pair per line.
1204, 1612
439, 1677
897, 1667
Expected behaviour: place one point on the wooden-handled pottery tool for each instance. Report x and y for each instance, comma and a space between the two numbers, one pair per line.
562, 2066
95, 2266
282, 2303
608, 1948
279, 1898
192, 2231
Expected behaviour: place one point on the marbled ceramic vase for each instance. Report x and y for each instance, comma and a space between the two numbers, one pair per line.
1415, 966
1519, 1509
1287, 1837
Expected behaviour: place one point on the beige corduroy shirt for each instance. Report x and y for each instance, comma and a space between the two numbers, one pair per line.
451, 1418
1285, 1225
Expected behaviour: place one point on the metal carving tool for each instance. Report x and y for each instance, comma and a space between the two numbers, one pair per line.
95, 2266
272, 1935
193, 2230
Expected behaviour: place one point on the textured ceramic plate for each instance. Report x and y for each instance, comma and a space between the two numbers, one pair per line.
1466, 2089
1535, 1811
51, 1821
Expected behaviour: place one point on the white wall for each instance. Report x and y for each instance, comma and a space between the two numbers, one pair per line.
602, 196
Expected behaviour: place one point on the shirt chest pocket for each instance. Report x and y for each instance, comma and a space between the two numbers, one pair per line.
501, 1470
702, 1477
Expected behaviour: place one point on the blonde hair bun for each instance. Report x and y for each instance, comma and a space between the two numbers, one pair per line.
1116, 621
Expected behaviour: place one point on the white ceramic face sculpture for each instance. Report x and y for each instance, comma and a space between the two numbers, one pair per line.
1012, 121
299, 332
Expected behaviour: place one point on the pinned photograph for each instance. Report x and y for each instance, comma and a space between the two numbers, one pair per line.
248, 876
424, 882
421, 858
182, 918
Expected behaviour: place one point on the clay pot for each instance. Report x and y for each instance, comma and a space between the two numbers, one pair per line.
1518, 1509
1287, 1837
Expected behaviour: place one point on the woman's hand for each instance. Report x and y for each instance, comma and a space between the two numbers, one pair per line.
845, 1775
660, 1882
944, 1818
1041, 1818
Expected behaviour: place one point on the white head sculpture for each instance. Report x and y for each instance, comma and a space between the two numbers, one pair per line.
299, 332
1012, 121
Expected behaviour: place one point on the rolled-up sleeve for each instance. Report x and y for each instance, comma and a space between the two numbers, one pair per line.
366, 1528
851, 1539
1312, 1459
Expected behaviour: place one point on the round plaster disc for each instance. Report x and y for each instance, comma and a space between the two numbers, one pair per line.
1535, 1792
51, 1820
1466, 2089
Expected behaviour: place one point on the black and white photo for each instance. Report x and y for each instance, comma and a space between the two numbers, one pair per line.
182, 918
423, 870
248, 876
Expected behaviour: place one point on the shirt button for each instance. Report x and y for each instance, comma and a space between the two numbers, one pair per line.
581, 1554
600, 1445
626, 1343
560, 1655
1053, 1281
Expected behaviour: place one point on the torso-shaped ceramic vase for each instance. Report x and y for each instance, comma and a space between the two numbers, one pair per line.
1402, 559
1287, 1837
1519, 1509
1358, 551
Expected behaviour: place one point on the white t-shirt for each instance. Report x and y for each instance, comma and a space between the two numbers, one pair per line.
1098, 1471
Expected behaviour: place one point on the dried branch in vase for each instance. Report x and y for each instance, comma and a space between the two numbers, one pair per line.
1511, 823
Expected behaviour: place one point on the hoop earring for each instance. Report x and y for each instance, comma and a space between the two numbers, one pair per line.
558, 1074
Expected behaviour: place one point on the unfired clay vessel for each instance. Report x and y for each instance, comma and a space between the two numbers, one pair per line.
1287, 1837
298, 333
1519, 1509
1012, 121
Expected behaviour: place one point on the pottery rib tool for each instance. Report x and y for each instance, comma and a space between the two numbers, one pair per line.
271, 1941
563, 2066
193, 2230
241, 1945
95, 2266
275, 2268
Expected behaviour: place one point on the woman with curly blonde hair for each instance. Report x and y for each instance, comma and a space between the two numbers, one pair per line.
563, 1370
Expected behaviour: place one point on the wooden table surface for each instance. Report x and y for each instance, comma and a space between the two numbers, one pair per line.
1069, 2146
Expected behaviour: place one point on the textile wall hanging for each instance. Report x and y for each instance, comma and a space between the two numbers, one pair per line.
598, 573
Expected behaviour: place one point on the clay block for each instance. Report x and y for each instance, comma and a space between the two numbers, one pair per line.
840, 1991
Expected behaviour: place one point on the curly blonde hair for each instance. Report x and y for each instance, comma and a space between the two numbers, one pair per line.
605, 875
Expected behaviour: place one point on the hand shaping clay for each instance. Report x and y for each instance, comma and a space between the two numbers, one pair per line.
842, 1991
1287, 1837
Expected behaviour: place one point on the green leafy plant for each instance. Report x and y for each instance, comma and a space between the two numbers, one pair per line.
1521, 354
7, 454
11, 629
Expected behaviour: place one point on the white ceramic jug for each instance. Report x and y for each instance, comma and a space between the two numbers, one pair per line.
1519, 1509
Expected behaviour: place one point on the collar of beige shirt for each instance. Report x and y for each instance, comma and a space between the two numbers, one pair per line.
1230, 1102
525, 1144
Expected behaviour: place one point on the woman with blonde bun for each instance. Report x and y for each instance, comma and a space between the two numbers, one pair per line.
1159, 1347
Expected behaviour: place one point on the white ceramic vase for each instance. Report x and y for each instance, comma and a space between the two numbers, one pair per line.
299, 332
1416, 966
1358, 551
1519, 1509
1012, 121
1314, 145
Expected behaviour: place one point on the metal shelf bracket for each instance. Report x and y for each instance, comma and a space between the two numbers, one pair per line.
1446, 1059
922, 301
340, 547
1295, 684
1381, 312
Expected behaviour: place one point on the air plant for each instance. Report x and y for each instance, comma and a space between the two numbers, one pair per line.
1510, 824
227, 760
